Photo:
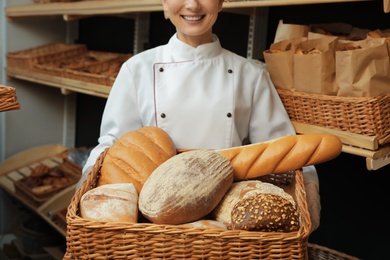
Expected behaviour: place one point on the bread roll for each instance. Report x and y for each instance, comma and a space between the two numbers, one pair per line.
282, 154
111, 202
265, 212
205, 224
186, 187
134, 156
240, 191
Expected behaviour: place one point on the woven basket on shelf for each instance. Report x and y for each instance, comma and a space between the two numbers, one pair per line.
99, 72
90, 239
8, 99
26, 59
317, 252
76, 66
368, 116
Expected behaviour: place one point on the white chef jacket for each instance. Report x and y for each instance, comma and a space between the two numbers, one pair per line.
205, 97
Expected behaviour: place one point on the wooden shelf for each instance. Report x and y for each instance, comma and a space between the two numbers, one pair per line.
9, 176
365, 146
82, 8
66, 85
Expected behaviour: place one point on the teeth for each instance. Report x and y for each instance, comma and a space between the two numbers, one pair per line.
192, 18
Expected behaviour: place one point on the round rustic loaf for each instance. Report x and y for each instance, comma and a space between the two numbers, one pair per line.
111, 202
134, 156
241, 190
186, 187
265, 212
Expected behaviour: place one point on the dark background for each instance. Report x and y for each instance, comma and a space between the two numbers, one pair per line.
354, 200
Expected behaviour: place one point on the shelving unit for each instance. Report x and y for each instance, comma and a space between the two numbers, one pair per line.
360, 145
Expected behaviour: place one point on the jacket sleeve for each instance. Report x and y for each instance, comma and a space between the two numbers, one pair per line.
120, 115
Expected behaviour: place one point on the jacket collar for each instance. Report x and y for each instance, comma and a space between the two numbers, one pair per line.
181, 51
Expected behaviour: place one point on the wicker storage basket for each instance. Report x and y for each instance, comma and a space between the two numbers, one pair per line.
369, 116
90, 239
26, 59
99, 72
317, 252
8, 99
77, 66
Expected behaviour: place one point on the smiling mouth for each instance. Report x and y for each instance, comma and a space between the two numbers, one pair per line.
193, 18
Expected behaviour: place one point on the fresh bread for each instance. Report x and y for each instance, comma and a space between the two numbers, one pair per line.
265, 212
240, 191
134, 156
111, 202
282, 154
205, 224
186, 187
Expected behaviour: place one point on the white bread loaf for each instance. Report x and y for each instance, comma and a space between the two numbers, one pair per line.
240, 191
186, 187
111, 202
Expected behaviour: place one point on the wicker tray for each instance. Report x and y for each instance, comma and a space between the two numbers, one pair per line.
25, 59
71, 172
100, 72
77, 66
369, 116
89, 239
317, 252
8, 99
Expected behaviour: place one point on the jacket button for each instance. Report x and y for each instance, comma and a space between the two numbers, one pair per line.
229, 115
161, 69
230, 71
163, 115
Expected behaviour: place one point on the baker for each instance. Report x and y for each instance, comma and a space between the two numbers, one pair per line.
202, 95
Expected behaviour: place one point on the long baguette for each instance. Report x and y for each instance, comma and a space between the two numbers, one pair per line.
282, 154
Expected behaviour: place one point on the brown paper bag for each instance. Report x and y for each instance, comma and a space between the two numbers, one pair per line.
315, 73
386, 6
280, 63
290, 31
363, 68
380, 34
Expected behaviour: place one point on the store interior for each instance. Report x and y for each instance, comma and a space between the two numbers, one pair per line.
354, 199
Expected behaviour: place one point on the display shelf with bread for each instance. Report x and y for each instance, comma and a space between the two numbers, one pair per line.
71, 67
43, 179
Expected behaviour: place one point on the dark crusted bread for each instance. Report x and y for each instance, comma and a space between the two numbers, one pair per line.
265, 212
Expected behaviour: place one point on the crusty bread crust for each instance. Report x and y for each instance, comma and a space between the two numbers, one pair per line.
134, 156
282, 154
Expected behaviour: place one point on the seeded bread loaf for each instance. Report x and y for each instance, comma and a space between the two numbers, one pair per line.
240, 191
265, 212
186, 187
